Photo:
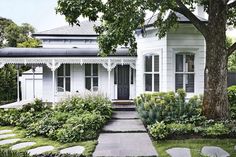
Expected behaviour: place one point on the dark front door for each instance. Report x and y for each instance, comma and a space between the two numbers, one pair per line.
123, 82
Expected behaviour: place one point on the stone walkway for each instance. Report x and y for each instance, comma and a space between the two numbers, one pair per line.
124, 135
76, 150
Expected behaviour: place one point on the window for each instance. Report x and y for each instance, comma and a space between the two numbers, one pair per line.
152, 73
91, 77
184, 75
63, 78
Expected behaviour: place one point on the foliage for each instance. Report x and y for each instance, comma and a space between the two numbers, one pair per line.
168, 107
75, 119
12, 35
158, 130
11, 153
232, 101
218, 129
232, 57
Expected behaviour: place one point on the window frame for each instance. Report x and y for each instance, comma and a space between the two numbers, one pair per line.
64, 77
153, 72
92, 77
185, 72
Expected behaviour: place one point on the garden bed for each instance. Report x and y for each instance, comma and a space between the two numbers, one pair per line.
77, 120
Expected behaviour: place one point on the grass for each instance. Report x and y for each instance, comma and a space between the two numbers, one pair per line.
195, 145
42, 141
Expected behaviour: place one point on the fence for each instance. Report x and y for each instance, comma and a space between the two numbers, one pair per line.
231, 78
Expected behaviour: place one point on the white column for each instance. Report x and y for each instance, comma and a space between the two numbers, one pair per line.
18, 84
33, 69
109, 83
53, 86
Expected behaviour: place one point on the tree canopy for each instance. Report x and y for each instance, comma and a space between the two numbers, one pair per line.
120, 18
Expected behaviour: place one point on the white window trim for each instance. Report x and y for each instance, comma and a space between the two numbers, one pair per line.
64, 79
152, 72
185, 70
92, 77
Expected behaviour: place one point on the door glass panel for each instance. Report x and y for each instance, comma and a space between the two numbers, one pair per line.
68, 84
60, 84
190, 83
179, 81
60, 71
148, 82
88, 83
190, 63
148, 63
87, 69
95, 70
67, 69
156, 63
179, 63
156, 82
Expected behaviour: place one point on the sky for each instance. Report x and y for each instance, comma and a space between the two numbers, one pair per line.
40, 13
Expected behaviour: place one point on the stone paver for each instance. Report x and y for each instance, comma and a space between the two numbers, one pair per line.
73, 150
179, 152
124, 144
213, 151
5, 131
125, 115
4, 142
40, 150
132, 125
22, 145
6, 136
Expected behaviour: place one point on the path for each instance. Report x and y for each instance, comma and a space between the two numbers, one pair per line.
124, 135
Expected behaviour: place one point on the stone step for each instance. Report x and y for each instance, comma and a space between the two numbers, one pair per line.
123, 107
76, 150
125, 115
124, 144
124, 126
7, 136
22, 145
5, 131
40, 150
10, 141
179, 152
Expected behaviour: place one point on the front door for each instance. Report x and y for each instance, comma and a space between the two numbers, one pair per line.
123, 82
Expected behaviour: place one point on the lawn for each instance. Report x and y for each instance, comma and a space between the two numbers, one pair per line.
195, 145
41, 141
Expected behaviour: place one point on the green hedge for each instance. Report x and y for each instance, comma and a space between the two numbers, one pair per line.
232, 101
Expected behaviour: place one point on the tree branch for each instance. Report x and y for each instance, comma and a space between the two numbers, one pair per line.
232, 4
182, 9
231, 49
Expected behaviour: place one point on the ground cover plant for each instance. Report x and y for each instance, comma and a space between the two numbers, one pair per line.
171, 116
72, 120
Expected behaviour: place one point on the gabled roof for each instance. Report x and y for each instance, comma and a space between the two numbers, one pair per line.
181, 19
86, 28
57, 52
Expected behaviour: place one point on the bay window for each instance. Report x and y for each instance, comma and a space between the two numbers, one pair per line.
184, 75
151, 73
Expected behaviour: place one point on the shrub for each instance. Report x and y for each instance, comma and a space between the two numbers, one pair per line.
82, 127
168, 107
232, 101
180, 129
158, 130
218, 129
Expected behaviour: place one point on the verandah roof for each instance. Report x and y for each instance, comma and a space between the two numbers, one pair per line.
57, 52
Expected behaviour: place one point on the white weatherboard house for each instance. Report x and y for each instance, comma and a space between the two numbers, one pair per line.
70, 63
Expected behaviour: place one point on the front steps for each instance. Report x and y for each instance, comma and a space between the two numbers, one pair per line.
124, 135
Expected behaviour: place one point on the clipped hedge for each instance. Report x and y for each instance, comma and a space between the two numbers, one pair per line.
232, 101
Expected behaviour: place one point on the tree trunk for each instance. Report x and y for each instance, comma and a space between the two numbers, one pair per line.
215, 101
